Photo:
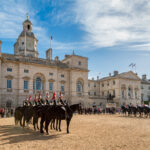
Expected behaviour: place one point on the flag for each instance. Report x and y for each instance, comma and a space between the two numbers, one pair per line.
131, 65
134, 65
24, 29
51, 37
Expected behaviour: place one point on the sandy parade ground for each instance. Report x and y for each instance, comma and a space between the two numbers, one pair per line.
87, 132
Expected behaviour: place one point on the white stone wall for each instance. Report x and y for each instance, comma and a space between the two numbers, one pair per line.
73, 61
18, 94
145, 90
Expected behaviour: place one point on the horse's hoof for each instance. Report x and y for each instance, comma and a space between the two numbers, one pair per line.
41, 131
59, 130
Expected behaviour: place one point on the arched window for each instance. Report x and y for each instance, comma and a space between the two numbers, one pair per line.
79, 87
28, 27
123, 94
38, 83
129, 92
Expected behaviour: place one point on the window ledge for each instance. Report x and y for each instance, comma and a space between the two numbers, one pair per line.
26, 91
9, 90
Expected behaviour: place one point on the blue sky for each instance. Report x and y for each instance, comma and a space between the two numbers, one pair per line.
111, 33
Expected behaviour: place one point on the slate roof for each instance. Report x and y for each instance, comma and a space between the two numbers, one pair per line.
34, 60
28, 21
30, 34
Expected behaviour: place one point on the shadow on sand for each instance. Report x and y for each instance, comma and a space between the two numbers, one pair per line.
10, 134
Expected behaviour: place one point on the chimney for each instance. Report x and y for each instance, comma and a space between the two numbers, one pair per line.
56, 58
144, 77
0, 48
66, 56
92, 78
109, 74
97, 77
115, 72
49, 54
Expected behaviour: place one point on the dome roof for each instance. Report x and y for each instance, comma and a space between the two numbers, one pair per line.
30, 34
27, 21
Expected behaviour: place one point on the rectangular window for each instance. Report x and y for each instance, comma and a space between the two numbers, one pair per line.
25, 85
51, 86
89, 93
51, 74
142, 97
9, 69
9, 84
79, 63
114, 82
62, 88
102, 93
94, 85
94, 93
26, 71
114, 93
89, 85
62, 75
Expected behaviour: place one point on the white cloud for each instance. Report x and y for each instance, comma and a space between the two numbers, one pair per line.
114, 22
13, 13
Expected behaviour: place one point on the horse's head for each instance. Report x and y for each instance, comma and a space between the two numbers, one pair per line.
75, 107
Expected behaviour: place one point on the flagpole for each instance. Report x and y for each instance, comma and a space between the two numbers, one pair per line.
51, 41
135, 68
25, 43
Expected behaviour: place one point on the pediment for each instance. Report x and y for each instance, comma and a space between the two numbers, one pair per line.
51, 80
9, 77
129, 75
26, 78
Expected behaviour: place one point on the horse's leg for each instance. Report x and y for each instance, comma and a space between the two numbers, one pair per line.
37, 123
34, 122
46, 125
20, 121
23, 122
68, 122
41, 125
51, 124
56, 124
59, 124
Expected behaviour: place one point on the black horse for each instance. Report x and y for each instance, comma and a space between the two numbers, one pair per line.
19, 113
59, 113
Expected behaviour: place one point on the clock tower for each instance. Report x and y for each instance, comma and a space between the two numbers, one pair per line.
26, 44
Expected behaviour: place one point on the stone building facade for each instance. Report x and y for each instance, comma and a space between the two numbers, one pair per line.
145, 88
125, 87
25, 74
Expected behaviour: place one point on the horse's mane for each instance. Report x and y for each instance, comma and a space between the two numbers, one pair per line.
74, 107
